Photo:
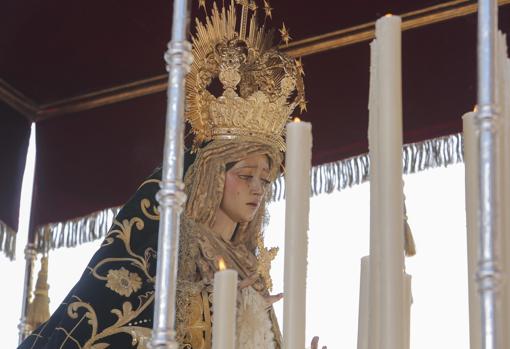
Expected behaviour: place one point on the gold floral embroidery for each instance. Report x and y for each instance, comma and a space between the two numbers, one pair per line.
123, 282
145, 206
139, 335
122, 231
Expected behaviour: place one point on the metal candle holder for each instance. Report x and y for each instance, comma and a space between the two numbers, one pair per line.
489, 275
30, 255
171, 196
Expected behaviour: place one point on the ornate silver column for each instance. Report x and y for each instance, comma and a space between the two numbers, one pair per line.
488, 274
23, 327
171, 196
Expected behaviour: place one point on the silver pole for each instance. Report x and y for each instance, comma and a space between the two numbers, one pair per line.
171, 196
23, 327
489, 269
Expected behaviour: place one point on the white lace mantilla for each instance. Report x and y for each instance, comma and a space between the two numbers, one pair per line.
254, 328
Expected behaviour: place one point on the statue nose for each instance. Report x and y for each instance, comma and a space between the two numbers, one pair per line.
257, 186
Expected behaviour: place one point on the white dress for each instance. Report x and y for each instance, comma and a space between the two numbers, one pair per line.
254, 327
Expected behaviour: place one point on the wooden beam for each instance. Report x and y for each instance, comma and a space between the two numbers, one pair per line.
103, 97
353, 35
17, 100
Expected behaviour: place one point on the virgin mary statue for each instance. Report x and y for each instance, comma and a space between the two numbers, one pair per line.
240, 93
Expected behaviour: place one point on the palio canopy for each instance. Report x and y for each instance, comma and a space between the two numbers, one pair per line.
91, 76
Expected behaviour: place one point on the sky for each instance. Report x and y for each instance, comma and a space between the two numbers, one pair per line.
338, 239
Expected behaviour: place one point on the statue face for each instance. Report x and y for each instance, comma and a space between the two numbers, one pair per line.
245, 186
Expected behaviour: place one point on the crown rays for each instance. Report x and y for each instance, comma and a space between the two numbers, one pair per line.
204, 111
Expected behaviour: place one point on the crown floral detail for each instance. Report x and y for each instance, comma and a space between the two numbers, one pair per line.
261, 86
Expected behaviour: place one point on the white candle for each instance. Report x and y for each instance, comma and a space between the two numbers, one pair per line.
297, 203
363, 312
387, 211
408, 301
471, 185
224, 308
503, 72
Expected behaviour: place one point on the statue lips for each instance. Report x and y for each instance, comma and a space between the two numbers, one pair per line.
254, 205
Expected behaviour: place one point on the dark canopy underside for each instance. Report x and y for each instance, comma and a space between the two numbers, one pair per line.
92, 77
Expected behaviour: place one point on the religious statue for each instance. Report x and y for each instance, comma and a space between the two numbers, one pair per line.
237, 152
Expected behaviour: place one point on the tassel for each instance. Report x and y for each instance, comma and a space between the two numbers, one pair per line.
39, 308
7, 240
409, 245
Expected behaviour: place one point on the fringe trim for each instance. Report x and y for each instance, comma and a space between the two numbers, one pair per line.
326, 178
338, 175
7, 241
75, 232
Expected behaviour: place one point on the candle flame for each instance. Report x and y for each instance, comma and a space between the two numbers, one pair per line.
221, 264
388, 15
296, 119
475, 108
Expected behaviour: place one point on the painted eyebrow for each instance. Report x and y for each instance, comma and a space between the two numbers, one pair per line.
249, 166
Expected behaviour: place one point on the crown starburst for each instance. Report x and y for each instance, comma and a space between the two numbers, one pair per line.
261, 86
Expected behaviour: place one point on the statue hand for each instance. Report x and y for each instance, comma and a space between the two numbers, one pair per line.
315, 343
252, 279
271, 299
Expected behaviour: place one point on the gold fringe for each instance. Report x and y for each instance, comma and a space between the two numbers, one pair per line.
39, 308
7, 241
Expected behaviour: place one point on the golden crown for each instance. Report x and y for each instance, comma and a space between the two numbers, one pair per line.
261, 85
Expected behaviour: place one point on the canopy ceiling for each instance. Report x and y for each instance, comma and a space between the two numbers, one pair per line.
92, 77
